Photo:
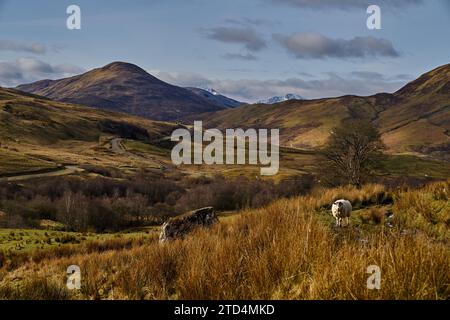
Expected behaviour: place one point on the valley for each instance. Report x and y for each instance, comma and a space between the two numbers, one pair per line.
214, 158
414, 120
92, 186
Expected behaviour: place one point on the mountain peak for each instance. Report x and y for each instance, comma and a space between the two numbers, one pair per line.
215, 97
212, 91
123, 66
126, 88
278, 99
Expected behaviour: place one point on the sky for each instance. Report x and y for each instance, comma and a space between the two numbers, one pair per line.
248, 50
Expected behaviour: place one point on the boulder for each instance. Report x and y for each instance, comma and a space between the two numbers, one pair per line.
179, 227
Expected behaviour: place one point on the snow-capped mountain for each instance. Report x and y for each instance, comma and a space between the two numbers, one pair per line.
278, 99
212, 91
215, 97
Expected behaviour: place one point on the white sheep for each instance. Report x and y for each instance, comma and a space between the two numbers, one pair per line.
341, 211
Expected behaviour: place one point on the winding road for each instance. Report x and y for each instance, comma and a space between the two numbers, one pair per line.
117, 147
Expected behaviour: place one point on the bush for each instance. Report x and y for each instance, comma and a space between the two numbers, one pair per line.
103, 204
377, 215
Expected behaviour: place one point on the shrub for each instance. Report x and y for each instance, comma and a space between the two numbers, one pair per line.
103, 204
377, 215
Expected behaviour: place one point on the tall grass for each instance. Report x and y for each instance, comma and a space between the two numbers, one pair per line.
282, 251
426, 209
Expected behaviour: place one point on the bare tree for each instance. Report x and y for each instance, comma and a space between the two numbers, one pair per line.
351, 152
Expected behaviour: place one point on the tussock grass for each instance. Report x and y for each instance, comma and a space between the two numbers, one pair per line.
282, 251
426, 209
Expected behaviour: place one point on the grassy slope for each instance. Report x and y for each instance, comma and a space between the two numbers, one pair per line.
415, 117
12, 162
38, 134
412, 166
288, 250
53, 133
22, 240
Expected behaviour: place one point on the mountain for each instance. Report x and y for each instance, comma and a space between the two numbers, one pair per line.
41, 121
125, 88
278, 99
216, 98
415, 119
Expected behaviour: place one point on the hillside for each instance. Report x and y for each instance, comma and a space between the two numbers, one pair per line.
287, 250
126, 88
416, 119
39, 137
40, 134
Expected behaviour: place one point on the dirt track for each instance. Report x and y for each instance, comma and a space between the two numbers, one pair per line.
60, 172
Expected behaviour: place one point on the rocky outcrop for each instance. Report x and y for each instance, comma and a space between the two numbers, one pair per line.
179, 227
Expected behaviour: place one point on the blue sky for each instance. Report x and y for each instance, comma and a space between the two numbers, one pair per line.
248, 50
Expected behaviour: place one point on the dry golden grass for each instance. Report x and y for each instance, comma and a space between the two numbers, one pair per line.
283, 251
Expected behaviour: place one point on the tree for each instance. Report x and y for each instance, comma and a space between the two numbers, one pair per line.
351, 152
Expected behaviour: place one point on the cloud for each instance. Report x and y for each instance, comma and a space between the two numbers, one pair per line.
36, 48
246, 36
250, 22
305, 74
240, 56
26, 70
187, 79
403, 77
361, 83
317, 46
347, 4
367, 75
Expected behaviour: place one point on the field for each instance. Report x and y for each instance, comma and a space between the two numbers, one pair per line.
86, 187
413, 166
61, 135
287, 250
43, 136
14, 241
12, 162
